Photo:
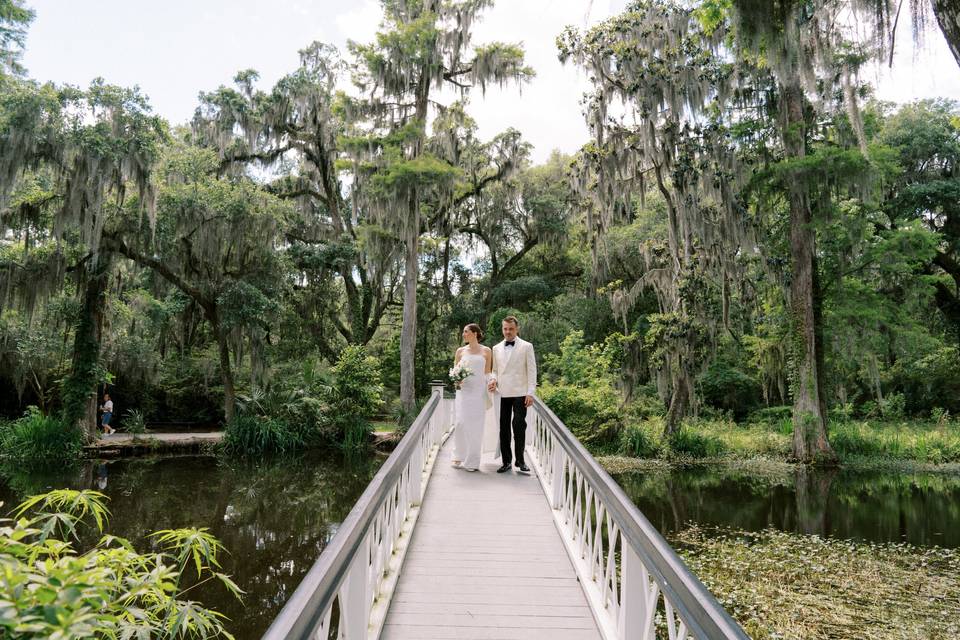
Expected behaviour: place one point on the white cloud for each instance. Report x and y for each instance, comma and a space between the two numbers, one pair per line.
361, 21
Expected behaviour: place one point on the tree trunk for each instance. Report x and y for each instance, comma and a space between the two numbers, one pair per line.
948, 17
678, 402
80, 388
408, 332
226, 372
809, 408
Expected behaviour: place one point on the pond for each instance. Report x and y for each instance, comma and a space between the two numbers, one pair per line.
921, 509
274, 517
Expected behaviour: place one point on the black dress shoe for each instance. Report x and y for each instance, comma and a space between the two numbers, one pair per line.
522, 468
504, 468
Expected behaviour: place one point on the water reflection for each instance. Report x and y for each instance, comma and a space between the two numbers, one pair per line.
922, 509
274, 517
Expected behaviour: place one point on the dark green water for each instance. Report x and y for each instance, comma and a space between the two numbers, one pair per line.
274, 518
922, 509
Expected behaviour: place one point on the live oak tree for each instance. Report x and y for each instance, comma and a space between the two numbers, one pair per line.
217, 241
88, 149
15, 16
423, 46
926, 138
494, 205
294, 132
659, 83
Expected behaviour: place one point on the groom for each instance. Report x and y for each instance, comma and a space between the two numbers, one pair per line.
515, 376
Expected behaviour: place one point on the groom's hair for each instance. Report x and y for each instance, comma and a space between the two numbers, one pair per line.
512, 320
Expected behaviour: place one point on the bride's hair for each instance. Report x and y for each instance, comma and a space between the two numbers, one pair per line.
475, 328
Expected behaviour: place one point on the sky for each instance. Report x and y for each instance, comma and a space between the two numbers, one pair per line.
175, 49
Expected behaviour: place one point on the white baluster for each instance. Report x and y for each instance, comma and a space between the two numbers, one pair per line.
415, 483
355, 599
557, 480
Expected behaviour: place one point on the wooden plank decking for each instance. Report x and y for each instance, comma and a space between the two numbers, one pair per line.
486, 561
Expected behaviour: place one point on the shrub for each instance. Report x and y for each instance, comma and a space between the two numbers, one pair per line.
772, 414
39, 440
729, 389
354, 397
856, 441
932, 380
248, 435
696, 445
581, 390
894, 406
593, 414
780, 417
636, 441
51, 589
133, 422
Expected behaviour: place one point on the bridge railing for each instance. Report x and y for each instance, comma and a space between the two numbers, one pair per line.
637, 585
346, 592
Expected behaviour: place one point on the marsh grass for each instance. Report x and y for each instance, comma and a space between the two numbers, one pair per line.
857, 443
781, 585
38, 440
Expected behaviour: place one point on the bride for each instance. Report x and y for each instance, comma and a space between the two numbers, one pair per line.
473, 401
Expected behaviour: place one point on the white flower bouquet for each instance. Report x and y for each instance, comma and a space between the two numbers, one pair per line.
459, 373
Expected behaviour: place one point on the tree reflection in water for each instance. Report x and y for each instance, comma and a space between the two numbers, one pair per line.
273, 516
921, 509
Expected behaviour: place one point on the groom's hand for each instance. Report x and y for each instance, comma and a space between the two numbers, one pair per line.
492, 386
528, 401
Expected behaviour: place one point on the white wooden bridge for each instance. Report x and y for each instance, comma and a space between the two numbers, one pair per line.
430, 551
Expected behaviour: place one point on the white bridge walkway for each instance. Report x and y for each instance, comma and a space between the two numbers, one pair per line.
430, 551
486, 561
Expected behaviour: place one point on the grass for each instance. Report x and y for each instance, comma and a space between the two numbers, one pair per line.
780, 585
894, 445
248, 435
384, 426
37, 440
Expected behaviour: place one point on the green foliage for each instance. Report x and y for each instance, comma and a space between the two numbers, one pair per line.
40, 440
931, 380
592, 413
55, 588
355, 395
638, 441
730, 389
134, 422
934, 443
254, 435
687, 441
783, 585
580, 390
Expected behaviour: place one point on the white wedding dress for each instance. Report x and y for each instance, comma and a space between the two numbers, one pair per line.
476, 431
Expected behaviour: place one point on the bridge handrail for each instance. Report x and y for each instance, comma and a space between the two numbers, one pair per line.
354, 568
624, 589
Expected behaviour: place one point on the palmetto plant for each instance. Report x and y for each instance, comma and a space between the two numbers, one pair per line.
53, 588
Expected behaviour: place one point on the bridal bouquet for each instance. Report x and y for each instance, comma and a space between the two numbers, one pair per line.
459, 373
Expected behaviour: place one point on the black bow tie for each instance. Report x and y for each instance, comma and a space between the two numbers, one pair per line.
509, 343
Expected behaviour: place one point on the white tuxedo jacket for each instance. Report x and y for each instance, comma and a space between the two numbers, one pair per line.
515, 369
